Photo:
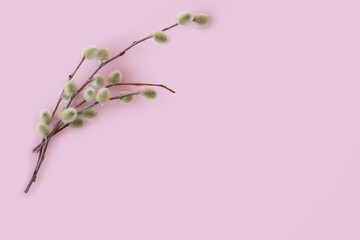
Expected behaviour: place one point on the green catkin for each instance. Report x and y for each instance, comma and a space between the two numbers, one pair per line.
160, 37
77, 123
45, 116
97, 80
201, 20
103, 96
103, 55
89, 94
127, 99
65, 97
68, 115
43, 130
89, 114
184, 18
115, 77
90, 52
148, 93
61, 109
70, 88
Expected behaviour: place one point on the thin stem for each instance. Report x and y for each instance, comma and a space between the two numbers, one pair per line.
124, 96
167, 28
141, 84
70, 77
77, 68
84, 101
38, 165
61, 128
38, 146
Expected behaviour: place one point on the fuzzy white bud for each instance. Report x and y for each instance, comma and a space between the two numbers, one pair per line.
201, 20
97, 80
148, 93
70, 88
89, 94
184, 18
69, 115
90, 52
126, 99
160, 37
43, 130
89, 114
77, 123
115, 77
103, 96
45, 116
103, 55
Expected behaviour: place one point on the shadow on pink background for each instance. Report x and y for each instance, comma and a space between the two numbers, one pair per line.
261, 140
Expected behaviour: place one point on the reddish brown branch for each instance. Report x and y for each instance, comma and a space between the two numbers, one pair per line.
38, 165
70, 77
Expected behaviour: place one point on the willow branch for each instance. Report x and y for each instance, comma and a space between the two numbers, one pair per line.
141, 84
58, 124
99, 67
132, 84
113, 58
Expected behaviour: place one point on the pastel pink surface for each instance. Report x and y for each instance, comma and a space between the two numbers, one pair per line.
260, 141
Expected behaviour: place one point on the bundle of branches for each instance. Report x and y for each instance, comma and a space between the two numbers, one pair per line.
75, 116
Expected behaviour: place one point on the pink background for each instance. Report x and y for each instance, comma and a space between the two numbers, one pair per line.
261, 140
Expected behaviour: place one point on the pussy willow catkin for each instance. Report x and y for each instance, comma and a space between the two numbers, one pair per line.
97, 80
115, 77
68, 115
103, 95
89, 94
78, 104
103, 55
126, 97
89, 114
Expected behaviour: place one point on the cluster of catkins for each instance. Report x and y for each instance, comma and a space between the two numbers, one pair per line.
76, 119
69, 115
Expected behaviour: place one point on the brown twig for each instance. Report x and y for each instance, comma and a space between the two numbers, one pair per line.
70, 77
38, 165
141, 84
81, 103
